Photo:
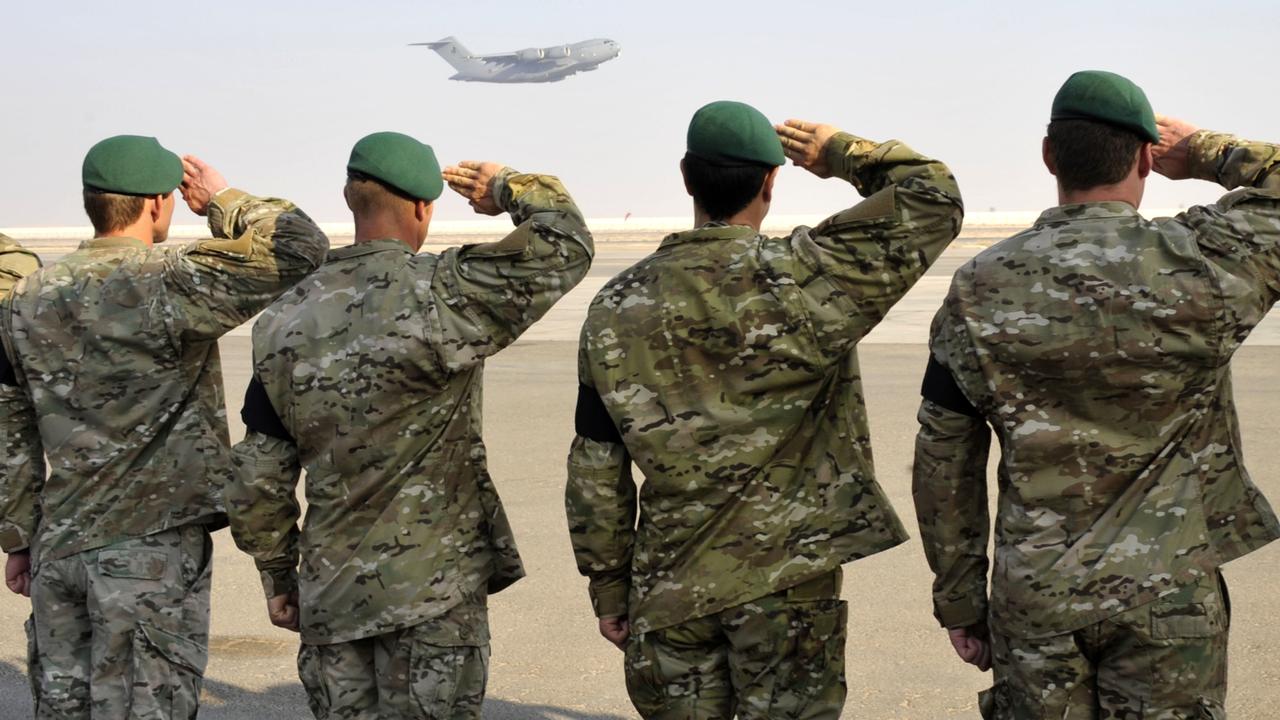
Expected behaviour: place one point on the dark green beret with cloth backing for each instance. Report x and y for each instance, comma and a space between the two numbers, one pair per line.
131, 165
1109, 98
734, 133
399, 161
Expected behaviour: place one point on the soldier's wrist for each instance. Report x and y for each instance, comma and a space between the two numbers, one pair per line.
13, 540
609, 599
1204, 154
278, 582
960, 613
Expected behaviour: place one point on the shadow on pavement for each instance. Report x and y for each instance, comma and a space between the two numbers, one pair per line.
224, 701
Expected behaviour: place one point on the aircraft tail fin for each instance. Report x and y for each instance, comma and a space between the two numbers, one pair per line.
454, 53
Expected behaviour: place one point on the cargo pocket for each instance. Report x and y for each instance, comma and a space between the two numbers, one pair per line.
447, 681
311, 673
133, 564
813, 667
645, 684
33, 664
167, 674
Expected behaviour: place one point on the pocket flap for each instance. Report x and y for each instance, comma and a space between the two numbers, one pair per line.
175, 648
134, 564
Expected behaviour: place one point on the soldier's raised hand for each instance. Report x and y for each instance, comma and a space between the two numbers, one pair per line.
803, 143
200, 182
1172, 154
474, 181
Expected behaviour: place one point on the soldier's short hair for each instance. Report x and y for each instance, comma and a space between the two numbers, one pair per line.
723, 190
110, 212
1090, 154
367, 196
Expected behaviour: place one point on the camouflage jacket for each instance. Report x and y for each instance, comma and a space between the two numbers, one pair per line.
726, 367
115, 348
16, 262
1097, 344
371, 374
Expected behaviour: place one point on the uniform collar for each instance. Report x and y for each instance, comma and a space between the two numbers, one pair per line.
369, 248
1087, 211
103, 243
714, 230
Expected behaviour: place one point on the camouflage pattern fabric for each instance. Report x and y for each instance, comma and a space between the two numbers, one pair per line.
16, 262
122, 631
374, 364
116, 349
780, 656
436, 670
1164, 660
20, 451
1097, 344
727, 361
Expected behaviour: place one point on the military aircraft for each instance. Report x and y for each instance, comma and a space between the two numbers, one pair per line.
531, 65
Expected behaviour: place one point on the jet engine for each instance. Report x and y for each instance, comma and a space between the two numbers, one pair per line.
531, 54
558, 52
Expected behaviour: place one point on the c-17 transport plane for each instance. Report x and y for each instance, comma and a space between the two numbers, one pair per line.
531, 65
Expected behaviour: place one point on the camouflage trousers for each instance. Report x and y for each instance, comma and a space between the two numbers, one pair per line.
781, 656
1166, 660
122, 631
436, 670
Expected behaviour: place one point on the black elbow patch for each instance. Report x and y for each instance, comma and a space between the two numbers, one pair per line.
259, 415
7, 374
940, 387
591, 420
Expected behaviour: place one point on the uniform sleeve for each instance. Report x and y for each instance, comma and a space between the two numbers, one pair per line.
488, 295
1240, 234
949, 487
600, 502
22, 467
863, 260
260, 248
262, 504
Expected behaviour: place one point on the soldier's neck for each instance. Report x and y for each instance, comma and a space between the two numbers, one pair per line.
141, 230
369, 229
752, 216
1126, 191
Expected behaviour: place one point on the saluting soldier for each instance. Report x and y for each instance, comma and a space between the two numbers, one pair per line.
725, 366
115, 351
1097, 345
369, 377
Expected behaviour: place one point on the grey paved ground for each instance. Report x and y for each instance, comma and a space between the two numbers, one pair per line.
548, 661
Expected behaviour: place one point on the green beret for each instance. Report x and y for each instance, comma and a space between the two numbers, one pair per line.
734, 133
131, 165
399, 161
1108, 98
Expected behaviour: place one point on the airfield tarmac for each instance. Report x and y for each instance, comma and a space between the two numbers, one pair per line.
548, 661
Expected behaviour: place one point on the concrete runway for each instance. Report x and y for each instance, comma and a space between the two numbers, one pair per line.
548, 662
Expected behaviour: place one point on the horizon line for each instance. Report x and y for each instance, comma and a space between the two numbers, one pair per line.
485, 226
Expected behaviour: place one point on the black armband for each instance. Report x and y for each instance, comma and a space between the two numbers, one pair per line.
591, 420
259, 415
940, 388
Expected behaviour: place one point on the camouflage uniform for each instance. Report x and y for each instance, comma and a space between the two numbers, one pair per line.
115, 350
16, 262
725, 366
1097, 344
369, 375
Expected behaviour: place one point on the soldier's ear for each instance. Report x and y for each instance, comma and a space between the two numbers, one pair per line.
1146, 161
1046, 151
155, 204
766, 189
685, 177
346, 195
423, 210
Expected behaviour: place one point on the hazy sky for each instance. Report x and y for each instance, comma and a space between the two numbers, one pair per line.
275, 93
